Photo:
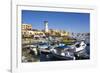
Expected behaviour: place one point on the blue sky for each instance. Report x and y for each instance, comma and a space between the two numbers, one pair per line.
68, 21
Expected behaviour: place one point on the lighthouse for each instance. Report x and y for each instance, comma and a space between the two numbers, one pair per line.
46, 26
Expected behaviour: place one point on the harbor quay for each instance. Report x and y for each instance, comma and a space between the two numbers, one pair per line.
53, 45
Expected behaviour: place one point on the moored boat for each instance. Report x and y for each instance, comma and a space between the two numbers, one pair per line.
62, 52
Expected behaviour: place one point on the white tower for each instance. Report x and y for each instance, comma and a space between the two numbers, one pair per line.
46, 26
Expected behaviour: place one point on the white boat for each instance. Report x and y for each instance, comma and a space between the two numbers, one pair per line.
61, 52
80, 46
68, 53
80, 51
44, 47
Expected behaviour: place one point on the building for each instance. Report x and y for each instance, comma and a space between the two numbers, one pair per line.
29, 33
36, 33
61, 33
26, 27
64, 33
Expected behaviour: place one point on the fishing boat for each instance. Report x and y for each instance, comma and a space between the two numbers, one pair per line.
43, 47
80, 50
63, 53
80, 46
